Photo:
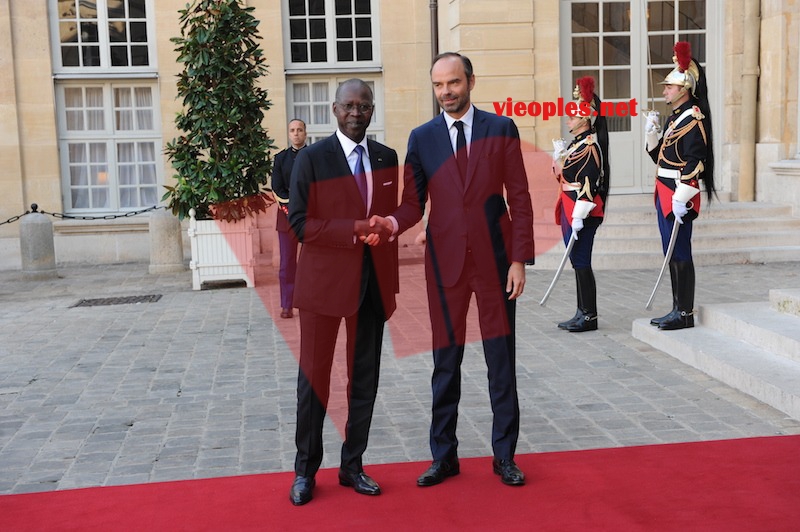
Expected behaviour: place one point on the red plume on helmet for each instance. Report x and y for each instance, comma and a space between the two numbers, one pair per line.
683, 54
586, 88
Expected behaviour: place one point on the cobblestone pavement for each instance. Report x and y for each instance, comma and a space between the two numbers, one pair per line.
202, 383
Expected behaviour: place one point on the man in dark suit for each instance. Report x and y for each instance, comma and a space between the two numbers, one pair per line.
281, 179
464, 160
336, 184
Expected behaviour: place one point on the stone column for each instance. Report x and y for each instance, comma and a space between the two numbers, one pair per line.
36, 246
166, 244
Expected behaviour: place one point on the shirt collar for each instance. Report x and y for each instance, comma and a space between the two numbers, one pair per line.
348, 145
467, 118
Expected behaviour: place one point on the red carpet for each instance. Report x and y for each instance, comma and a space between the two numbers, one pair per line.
731, 485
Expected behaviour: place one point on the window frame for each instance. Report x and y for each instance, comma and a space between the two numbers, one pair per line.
332, 65
111, 138
104, 42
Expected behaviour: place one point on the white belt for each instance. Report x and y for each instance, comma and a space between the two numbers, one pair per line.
669, 173
570, 187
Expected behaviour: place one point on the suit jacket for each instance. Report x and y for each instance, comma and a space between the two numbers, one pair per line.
324, 203
281, 180
472, 215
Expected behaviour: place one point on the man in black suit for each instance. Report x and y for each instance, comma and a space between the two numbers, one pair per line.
469, 163
337, 183
281, 180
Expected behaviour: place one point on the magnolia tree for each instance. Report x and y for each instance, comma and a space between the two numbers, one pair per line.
222, 157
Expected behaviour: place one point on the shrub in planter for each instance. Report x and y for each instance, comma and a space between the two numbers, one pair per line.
222, 157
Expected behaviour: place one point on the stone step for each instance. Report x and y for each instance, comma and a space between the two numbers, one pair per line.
652, 260
766, 376
646, 199
785, 301
758, 324
700, 241
724, 228
717, 211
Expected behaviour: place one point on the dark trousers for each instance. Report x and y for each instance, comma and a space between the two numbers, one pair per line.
317, 341
288, 267
581, 254
448, 310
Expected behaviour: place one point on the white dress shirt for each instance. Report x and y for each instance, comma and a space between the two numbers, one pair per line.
467, 120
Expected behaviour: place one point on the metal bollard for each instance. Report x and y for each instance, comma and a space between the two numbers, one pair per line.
37, 249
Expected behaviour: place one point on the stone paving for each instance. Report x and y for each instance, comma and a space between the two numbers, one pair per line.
202, 383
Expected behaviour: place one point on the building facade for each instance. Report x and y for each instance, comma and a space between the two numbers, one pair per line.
88, 97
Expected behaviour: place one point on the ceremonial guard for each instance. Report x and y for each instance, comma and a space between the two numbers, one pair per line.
287, 241
684, 155
583, 172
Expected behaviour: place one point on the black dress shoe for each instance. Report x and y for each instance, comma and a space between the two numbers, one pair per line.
360, 481
438, 471
682, 320
301, 490
509, 472
586, 322
658, 321
571, 321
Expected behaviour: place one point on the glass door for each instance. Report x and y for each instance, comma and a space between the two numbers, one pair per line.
627, 47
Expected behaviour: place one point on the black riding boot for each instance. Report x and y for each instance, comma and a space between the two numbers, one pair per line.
674, 312
685, 285
573, 319
587, 295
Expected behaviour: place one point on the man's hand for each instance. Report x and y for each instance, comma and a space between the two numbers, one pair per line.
559, 149
679, 209
652, 128
577, 225
652, 122
361, 229
516, 280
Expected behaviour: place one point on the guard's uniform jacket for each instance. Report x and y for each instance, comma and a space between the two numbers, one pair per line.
581, 177
680, 155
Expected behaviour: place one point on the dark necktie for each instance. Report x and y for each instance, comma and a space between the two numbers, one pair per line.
461, 150
361, 175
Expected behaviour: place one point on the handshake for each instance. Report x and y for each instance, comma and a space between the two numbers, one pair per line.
374, 231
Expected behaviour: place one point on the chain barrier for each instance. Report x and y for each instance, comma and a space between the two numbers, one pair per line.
35, 208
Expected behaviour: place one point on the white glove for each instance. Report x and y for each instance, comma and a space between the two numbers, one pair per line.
559, 149
652, 128
651, 122
651, 139
679, 210
577, 225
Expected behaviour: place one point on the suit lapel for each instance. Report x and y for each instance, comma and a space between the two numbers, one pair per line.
377, 159
341, 169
